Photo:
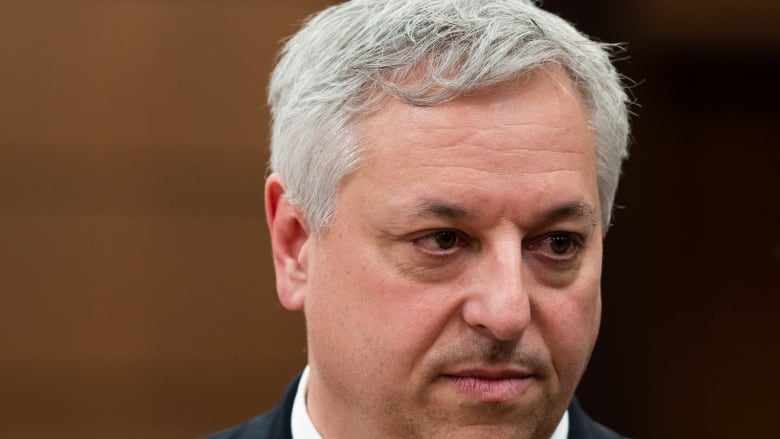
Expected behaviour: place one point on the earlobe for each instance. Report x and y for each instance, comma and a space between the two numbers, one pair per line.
289, 235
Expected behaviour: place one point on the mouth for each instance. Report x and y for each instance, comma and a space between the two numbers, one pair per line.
490, 385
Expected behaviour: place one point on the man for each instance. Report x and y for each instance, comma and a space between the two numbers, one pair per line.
443, 176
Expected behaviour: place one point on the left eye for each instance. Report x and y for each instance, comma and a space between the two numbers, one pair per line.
441, 242
558, 245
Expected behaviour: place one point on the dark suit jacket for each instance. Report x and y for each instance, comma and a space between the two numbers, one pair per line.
276, 423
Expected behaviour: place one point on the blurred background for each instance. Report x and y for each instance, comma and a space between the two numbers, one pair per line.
137, 293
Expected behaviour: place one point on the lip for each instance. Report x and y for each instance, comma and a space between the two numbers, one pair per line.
490, 385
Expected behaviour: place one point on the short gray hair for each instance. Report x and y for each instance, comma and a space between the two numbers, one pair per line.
347, 58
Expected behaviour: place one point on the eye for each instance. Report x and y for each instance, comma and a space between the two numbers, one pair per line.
558, 246
441, 242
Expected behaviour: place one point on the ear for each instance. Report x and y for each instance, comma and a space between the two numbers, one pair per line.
289, 235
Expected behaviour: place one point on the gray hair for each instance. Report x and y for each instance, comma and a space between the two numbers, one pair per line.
348, 58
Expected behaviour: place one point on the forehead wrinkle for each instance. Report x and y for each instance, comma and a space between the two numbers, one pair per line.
520, 148
507, 171
481, 138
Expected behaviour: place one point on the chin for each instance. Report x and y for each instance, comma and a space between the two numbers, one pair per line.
515, 430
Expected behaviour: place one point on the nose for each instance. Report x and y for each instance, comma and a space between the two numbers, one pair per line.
498, 301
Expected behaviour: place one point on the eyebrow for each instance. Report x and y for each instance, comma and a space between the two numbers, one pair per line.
574, 211
439, 209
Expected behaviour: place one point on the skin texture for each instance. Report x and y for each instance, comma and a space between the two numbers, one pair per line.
456, 292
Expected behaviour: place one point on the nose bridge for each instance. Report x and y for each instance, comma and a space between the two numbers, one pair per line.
499, 302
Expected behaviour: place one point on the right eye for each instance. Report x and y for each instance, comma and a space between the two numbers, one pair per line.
442, 242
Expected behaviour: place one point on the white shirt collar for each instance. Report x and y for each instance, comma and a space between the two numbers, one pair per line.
303, 428
562, 430
301, 425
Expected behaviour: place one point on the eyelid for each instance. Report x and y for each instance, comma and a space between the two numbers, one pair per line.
463, 241
578, 242
576, 236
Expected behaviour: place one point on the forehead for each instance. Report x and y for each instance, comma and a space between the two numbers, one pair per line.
520, 123
520, 143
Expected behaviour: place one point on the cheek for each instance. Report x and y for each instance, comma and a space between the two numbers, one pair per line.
570, 317
570, 327
360, 313
369, 335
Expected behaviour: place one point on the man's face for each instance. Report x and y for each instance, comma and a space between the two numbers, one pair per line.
456, 291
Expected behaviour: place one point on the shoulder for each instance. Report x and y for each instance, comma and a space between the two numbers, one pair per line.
274, 424
258, 427
581, 426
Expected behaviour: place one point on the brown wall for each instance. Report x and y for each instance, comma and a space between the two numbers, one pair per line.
137, 294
